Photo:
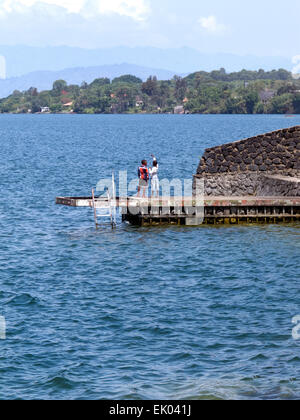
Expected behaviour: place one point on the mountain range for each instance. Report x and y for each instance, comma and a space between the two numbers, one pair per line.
21, 60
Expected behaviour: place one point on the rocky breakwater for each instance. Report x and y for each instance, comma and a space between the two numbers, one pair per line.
265, 165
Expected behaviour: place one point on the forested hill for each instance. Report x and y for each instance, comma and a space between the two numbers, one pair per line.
218, 92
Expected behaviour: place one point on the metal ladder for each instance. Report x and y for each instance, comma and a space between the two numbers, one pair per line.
111, 206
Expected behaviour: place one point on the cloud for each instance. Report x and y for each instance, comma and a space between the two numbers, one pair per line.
296, 61
211, 25
2, 67
135, 9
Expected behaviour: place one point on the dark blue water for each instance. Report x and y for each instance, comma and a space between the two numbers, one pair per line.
137, 313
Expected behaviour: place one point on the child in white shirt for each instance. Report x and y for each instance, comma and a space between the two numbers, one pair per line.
154, 178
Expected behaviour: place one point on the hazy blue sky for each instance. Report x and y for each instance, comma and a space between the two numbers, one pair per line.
260, 27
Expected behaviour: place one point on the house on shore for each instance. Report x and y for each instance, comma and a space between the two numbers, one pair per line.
139, 103
179, 110
45, 109
267, 95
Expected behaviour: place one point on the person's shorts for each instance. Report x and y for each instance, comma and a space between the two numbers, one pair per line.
143, 183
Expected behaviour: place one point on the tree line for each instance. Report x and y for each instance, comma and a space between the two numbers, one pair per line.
217, 92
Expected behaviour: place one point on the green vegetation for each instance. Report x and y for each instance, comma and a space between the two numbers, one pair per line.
218, 92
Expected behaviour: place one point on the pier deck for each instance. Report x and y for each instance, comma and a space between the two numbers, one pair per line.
179, 211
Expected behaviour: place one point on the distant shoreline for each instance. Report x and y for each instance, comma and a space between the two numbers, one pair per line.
218, 92
143, 113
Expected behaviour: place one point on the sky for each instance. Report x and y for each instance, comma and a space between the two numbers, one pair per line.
258, 27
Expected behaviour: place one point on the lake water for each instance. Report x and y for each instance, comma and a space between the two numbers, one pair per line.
137, 313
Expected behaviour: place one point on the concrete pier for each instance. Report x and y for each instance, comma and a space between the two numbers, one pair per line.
215, 211
256, 180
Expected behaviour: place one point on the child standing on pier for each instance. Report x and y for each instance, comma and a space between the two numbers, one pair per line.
143, 174
154, 178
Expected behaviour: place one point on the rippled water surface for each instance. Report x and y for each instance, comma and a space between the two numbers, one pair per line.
137, 313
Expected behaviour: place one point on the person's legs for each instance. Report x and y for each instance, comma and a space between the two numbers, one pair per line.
156, 186
144, 192
141, 187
